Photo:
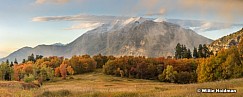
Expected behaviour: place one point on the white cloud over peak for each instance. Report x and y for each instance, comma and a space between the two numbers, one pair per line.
89, 18
85, 21
85, 25
50, 1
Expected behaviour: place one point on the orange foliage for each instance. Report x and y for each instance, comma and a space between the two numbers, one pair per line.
70, 70
57, 71
21, 69
28, 67
63, 70
17, 71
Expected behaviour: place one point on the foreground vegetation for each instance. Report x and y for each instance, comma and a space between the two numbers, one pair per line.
96, 84
129, 71
226, 64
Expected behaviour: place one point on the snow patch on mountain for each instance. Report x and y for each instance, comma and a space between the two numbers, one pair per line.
160, 19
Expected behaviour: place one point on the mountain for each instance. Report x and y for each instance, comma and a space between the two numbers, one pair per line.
226, 41
135, 36
58, 44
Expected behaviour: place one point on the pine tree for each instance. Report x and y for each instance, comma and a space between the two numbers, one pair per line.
38, 57
23, 61
15, 61
189, 54
178, 53
195, 53
31, 58
184, 51
11, 64
7, 62
200, 51
206, 52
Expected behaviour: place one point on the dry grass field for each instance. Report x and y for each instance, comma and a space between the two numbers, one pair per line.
96, 84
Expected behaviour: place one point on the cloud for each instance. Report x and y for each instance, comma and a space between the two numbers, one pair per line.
50, 1
87, 18
85, 21
218, 10
221, 9
85, 25
161, 12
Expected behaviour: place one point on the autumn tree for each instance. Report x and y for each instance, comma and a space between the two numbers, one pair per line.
6, 71
70, 70
18, 72
101, 60
63, 70
232, 67
240, 48
226, 64
57, 72
82, 64
28, 68
168, 75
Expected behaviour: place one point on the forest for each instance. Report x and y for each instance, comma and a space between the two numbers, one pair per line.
185, 67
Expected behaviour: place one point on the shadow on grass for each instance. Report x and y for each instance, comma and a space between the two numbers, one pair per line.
59, 93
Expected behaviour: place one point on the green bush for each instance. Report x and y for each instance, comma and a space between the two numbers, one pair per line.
168, 75
29, 78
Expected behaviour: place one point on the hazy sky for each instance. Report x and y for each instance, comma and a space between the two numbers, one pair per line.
33, 22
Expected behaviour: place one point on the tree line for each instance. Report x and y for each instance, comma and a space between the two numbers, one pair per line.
181, 51
186, 67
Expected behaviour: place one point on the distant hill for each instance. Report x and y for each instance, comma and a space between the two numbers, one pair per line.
226, 41
134, 36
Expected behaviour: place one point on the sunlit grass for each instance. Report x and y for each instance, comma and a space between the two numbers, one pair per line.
96, 84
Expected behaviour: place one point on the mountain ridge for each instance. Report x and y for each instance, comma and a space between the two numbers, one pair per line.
226, 41
138, 37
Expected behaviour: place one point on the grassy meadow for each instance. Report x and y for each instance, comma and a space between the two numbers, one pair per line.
96, 84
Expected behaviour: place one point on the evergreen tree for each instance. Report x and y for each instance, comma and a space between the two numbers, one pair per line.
184, 51
38, 57
15, 61
23, 61
200, 51
178, 53
31, 58
195, 53
11, 64
206, 52
7, 62
189, 54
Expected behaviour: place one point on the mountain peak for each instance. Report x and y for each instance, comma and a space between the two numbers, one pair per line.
58, 44
160, 19
134, 20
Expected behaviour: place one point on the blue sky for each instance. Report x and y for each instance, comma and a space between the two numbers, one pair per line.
33, 22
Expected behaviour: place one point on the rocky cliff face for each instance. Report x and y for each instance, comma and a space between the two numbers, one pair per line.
226, 41
135, 36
